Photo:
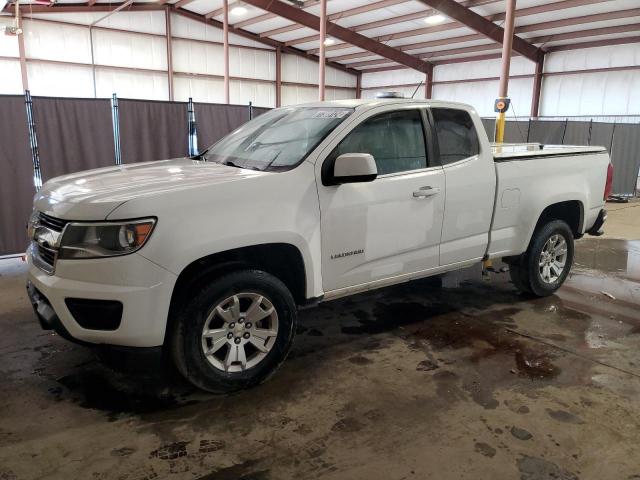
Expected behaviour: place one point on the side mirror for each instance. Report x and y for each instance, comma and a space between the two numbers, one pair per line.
354, 168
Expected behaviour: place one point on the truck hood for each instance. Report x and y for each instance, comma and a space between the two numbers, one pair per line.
93, 194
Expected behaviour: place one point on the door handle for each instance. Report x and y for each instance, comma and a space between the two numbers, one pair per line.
426, 192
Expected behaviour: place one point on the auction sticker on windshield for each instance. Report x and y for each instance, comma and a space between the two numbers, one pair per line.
331, 113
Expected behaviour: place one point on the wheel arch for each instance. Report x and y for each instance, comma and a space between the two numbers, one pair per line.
282, 260
569, 211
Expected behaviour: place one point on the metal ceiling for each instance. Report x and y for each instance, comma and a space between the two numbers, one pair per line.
388, 34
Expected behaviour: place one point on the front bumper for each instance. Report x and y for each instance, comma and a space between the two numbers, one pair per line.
598, 227
143, 288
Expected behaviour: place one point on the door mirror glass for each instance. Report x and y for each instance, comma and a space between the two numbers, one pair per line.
354, 167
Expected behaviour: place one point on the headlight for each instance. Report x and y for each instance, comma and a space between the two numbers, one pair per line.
104, 239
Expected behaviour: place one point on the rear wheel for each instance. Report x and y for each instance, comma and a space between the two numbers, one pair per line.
544, 267
235, 332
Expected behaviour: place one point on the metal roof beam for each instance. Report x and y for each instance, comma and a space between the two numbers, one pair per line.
565, 22
548, 7
309, 20
338, 15
267, 41
477, 22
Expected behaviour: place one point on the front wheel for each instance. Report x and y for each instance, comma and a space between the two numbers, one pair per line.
235, 332
544, 267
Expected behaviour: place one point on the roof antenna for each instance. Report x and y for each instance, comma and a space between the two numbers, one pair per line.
416, 90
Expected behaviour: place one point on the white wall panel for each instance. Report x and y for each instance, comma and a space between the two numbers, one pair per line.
259, 93
302, 70
8, 43
145, 22
129, 84
293, 95
392, 77
339, 78
481, 69
604, 93
186, 28
211, 90
339, 94
11, 82
244, 62
406, 92
197, 57
601, 57
481, 95
53, 80
51, 41
129, 50
204, 90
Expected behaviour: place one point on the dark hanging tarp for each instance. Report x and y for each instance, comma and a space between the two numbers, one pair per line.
152, 130
216, 120
625, 157
16, 180
73, 134
577, 133
547, 132
516, 131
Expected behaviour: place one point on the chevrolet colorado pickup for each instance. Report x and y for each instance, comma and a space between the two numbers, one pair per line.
209, 257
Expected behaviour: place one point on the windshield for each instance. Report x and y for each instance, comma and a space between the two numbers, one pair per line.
277, 140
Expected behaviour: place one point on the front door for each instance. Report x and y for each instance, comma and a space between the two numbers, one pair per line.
391, 226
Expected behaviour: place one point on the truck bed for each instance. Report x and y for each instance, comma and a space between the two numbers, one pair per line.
526, 151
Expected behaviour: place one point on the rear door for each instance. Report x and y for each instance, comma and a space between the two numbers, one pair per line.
470, 182
388, 227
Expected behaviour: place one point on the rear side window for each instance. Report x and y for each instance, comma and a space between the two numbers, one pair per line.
457, 137
395, 139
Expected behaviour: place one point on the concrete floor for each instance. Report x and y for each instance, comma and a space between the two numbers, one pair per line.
410, 382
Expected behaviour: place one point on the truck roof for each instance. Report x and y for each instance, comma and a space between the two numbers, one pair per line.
372, 102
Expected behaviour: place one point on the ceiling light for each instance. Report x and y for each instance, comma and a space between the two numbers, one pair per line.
238, 11
434, 19
329, 41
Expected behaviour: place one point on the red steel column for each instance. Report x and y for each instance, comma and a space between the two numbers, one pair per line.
507, 43
225, 33
323, 36
537, 87
428, 83
23, 62
167, 15
359, 85
278, 76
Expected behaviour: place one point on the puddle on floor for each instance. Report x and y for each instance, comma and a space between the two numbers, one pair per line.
619, 257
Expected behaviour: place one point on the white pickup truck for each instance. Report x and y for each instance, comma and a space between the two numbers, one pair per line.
209, 257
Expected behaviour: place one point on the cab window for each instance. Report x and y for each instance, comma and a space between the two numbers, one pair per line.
456, 134
395, 139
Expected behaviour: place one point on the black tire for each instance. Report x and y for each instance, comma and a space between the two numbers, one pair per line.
525, 272
517, 272
186, 337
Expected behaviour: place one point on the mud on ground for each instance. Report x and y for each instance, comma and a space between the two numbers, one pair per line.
414, 381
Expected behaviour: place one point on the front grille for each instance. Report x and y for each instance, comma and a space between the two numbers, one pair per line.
48, 255
53, 223
45, 245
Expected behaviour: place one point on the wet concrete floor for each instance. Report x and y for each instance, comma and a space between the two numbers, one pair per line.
409, 382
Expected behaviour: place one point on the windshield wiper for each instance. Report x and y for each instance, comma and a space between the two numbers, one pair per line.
257, 145
232, 164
